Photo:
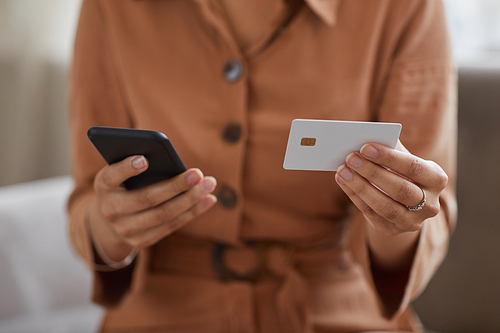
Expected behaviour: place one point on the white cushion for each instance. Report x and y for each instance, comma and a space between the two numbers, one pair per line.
41, 279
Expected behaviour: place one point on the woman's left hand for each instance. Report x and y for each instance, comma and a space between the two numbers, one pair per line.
384, 183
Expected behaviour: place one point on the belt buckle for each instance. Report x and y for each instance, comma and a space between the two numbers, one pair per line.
226, 273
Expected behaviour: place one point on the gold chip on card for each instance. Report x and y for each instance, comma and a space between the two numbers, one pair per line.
308, 142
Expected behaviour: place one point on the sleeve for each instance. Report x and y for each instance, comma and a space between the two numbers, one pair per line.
420, 93
96, 99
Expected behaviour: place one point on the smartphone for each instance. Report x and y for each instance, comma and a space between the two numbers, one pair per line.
115, 144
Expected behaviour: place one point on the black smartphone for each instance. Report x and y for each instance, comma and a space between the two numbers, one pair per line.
115, 144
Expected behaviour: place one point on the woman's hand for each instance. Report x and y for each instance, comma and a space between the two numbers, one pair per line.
121, 219
383, 182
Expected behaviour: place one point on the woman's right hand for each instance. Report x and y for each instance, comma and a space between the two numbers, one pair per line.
121, 220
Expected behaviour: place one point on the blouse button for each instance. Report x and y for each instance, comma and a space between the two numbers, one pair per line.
232, 133
227, 197
233, 70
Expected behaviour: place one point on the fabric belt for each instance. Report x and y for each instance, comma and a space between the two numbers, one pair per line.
254, 261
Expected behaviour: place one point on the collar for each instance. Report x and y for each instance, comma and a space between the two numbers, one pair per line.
327, 10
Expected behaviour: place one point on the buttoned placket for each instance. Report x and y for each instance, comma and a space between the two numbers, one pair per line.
232, 74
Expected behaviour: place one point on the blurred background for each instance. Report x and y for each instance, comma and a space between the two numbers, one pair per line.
35, 53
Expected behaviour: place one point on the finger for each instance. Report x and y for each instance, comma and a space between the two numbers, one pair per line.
134, 201
381, 204
153, 235
420, 171
155, 194
396, 187
112, 176
378, 222
168, 211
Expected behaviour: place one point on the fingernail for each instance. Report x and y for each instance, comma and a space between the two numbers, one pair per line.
208, 184
354, 160
210, 200
369, 151
139, 162
345, 173
339, 179
194, 177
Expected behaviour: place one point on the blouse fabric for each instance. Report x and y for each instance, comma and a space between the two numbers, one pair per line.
175, 67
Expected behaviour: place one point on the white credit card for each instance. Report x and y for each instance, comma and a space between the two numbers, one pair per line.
323, 145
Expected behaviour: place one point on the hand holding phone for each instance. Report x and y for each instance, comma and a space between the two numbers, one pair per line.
121, 219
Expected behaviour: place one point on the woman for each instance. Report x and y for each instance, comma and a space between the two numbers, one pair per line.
252, 247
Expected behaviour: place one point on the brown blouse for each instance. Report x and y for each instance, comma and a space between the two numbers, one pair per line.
174, 66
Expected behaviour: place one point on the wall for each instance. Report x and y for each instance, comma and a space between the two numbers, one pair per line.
35, 48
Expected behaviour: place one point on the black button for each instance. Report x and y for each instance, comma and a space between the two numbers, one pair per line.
232, 133
227, 197
233, 70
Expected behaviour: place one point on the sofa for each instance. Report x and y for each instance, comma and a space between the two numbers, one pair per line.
464, 295
43, 288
